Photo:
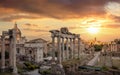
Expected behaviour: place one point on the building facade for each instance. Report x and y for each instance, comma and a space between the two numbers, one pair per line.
34, 50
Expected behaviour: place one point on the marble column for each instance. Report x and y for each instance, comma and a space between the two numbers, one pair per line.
62, 49
3, 53
53, 47
78, 47
73, 47
112, 47
59, 49
14, 52
115, 47
67, 52
11, 51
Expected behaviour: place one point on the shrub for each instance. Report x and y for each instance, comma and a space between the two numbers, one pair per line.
105, 68
44, 72
27, 63
30, 66
98, 47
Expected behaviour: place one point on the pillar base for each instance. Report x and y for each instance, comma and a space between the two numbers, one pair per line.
15, 74
61, 69
15, 71
2, 69
60, 65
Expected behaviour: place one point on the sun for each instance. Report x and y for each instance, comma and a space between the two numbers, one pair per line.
93, 30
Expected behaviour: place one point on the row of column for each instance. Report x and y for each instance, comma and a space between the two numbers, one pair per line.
113, 47
12, 51
61, 48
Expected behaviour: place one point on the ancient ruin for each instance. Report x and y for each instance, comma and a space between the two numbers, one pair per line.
64, 36
12, 60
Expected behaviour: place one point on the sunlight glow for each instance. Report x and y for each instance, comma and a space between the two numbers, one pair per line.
93, 30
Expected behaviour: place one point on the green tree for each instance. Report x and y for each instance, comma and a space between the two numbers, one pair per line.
98, 47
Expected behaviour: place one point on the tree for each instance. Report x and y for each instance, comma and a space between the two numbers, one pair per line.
98, 47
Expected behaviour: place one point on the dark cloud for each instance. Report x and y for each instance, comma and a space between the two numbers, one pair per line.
29, 25
57, 8
34, 27
16, 17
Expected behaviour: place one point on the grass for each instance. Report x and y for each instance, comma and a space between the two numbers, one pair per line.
71, 62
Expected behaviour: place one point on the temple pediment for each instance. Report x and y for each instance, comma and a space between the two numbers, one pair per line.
39, 40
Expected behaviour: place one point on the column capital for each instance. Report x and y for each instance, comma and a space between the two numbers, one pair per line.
4, 33
52, 35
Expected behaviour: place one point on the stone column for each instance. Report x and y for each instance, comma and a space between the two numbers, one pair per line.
116, 47
3, 52
78, 47
112, 47
46, 50
59, 49
53, 47
14, 52
67, 52
11, 51
73, 47
63, 49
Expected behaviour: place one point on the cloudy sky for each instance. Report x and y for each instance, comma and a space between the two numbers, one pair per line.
90, 18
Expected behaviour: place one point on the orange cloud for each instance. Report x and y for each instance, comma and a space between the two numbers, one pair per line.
60, 9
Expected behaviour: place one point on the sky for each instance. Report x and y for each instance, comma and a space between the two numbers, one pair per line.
89, 18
